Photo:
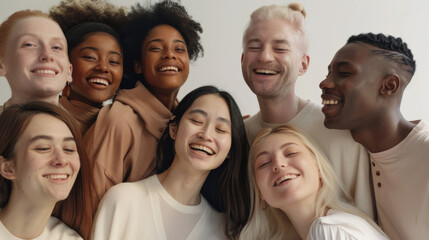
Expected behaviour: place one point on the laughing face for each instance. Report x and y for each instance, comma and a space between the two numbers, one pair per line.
203, 136
285, 171
271, 59
351, 88
97, 69
46, 161
165, 60
35, 61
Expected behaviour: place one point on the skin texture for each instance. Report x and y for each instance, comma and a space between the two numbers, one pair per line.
46, 163
363, 93
271, 48
35, 62
353, 82
279, 156
97, 69
205, 126
164, 47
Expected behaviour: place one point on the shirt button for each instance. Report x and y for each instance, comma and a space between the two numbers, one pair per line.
377, 173
373, 164
379, 185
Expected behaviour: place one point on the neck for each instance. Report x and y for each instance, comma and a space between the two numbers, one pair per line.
183, 184
167, 98
76, 97
280, 109
383, 133
25, 220
302, 216
22, 100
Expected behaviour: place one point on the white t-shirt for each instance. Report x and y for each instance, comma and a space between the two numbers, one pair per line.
349, 159
401, 186
54, 230
339, 225
145, 210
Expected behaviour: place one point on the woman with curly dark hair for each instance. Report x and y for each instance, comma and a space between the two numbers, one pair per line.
95, 52
159, 42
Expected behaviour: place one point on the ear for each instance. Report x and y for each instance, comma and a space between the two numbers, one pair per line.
305, 62
242, 57
69, 74
2, 69
173, 130
137, 67
389, 85
7, 169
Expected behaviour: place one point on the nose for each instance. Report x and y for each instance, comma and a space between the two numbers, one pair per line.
168, 53
59, 159
278, 163
326, 83
101, 67
46, 55
205, 133
266, 55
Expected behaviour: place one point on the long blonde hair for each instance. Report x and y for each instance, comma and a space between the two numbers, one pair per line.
273, 223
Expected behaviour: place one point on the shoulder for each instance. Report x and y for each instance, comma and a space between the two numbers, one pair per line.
125, 193
342, 225
56, 229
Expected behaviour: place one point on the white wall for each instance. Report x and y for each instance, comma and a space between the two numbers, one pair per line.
329, 24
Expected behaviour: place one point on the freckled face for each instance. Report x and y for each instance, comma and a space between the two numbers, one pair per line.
46, 160
35, 61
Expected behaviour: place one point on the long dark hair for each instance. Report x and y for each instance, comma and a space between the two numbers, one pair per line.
226, 188
75, 210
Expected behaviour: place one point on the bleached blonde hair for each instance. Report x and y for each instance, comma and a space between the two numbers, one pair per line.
273, 223
294, 14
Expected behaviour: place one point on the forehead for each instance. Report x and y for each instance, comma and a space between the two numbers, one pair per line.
271, 30
212, 104
353, 53
45, 124
38, 26
276, 140
164, 32
100, 39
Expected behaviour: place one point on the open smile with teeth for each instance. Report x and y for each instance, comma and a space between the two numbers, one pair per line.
329, 102
45, 71
57, 176
202, 148
285, 178
265, 71
99, 81
169, 68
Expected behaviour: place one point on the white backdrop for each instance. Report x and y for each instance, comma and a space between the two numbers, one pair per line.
329, 23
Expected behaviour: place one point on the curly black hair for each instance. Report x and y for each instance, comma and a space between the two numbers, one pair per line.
397, 50
141, 20
69, 13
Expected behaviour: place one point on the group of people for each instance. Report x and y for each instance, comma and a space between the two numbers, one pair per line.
148, 166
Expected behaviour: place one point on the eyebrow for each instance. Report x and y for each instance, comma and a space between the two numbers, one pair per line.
46, 137
36, 36
276, 41
159, 40
202, 112
281, 147
96, 49
339, 64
